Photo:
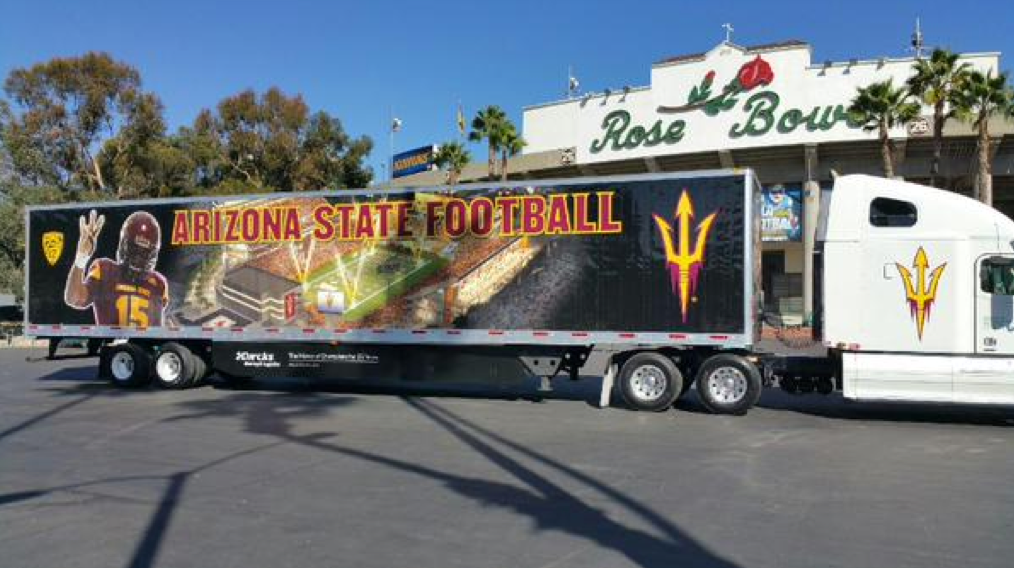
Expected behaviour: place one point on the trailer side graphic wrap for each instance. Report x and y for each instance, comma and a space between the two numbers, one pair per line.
649, 255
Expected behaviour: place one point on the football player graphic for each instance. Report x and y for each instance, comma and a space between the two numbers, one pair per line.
125, 292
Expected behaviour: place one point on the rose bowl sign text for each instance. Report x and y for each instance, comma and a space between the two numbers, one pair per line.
728, 98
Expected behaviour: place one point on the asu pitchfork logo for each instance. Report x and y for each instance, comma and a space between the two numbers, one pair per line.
920, 294
684, 258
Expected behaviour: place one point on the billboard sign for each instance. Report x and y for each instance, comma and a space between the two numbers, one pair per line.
414, 161
655, 255
782, 213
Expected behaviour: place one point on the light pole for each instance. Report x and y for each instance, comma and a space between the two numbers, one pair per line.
395, 127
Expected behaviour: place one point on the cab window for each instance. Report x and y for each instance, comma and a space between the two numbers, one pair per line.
996, 276
887, 212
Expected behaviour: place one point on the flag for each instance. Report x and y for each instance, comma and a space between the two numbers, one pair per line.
396, 125
461, 120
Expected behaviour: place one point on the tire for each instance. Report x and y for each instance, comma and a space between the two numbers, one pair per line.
174, 366
126, 365
202, 363
200, 370
728, 384
650, 381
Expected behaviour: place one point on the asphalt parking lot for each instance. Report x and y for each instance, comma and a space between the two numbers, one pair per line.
277, 475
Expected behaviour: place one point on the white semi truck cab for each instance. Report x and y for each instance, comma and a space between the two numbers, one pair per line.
916, 298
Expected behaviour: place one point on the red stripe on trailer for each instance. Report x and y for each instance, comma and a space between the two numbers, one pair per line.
116, 327
378, 330
86, 328
719, 337
419, 332
309, 330
55, 327
340, 330
677, 336
495, 332
33, 327
453, 332
580, 333
628, 335
236, 329
272, 330
208, 329
540, 333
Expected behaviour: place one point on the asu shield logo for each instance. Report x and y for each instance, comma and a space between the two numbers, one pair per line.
52, 246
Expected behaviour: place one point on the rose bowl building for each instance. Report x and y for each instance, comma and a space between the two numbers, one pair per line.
767, 107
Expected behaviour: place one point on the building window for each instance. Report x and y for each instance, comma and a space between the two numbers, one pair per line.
886, 212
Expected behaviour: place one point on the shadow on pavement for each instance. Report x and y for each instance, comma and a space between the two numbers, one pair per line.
145, 553
836, 407
549, 506
587, 389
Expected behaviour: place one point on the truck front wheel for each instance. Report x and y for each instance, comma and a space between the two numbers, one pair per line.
126, 365
650, 381
728, 384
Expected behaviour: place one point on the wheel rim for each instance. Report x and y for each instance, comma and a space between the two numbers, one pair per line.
648, 383
169, 367
727, 384
122, 366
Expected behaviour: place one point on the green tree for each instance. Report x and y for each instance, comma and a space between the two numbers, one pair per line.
982, 96
880, 107
273, 142
452, 157
13, 200
511, 144
936, 82
488, 125
140, 161
63, 107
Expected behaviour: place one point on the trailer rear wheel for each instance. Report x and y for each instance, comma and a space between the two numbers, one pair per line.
201, 369
174, 366
126, 365
728, 384
650, 381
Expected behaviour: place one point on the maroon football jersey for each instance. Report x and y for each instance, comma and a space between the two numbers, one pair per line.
119, 300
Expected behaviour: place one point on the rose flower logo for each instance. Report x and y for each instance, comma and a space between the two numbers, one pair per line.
754, 73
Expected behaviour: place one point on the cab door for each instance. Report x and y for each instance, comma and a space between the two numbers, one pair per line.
988, 377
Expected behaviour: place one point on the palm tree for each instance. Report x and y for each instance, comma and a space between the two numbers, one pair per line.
511, 144
452, 156
488, 125
936, 82
880, 107
983, 95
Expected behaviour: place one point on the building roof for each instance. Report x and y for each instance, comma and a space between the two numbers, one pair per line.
750, 49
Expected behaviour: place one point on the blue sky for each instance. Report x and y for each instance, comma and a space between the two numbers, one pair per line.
360, 60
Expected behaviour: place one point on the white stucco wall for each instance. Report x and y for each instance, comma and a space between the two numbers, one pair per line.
797, 84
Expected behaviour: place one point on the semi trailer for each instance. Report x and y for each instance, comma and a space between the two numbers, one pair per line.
652, 282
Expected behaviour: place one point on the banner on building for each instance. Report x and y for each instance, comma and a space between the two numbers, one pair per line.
414, 161
782, 213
